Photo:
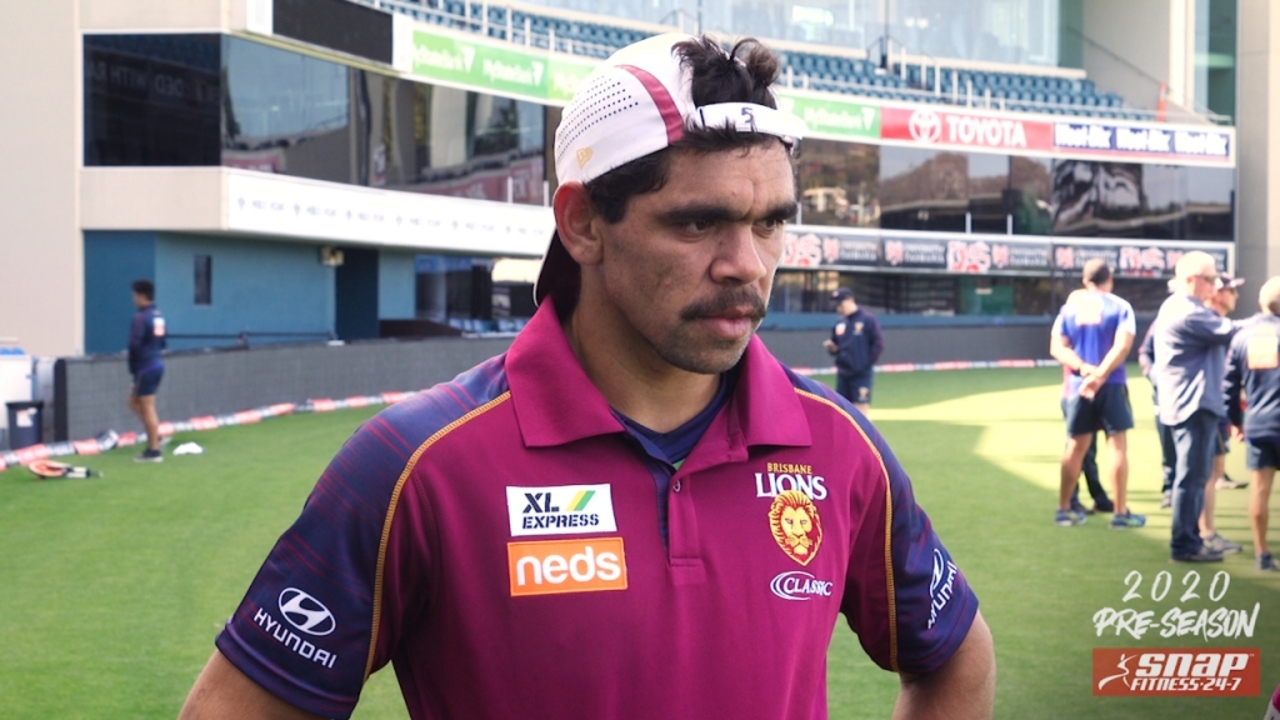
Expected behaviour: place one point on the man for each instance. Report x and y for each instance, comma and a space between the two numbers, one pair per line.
1092, 337
581, 528
1189, 358
1253, 371
1223, 302
146, 341
857, 343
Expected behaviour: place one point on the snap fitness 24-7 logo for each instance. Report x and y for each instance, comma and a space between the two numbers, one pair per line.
1216, 672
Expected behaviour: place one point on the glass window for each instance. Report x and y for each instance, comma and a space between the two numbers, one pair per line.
923, 189
289, 113
988, 182
1031, 195
151, 100
1100, 199
839, 183
1211, 194
203, 280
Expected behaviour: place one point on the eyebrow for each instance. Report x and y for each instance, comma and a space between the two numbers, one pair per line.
718, 213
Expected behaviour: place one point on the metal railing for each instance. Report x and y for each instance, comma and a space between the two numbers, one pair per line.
244, 337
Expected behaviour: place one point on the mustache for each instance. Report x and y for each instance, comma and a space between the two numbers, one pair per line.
725, 302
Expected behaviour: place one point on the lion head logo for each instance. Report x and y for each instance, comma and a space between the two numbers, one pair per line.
796, 526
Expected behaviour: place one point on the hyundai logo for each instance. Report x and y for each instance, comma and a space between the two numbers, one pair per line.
306, 613
925, 126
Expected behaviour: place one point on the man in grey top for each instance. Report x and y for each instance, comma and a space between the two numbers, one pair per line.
1190, 355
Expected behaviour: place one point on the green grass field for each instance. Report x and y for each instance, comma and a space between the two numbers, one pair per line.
112, 590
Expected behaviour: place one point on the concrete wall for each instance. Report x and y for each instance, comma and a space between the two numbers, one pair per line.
41, 267
1258, 178
1130, 47
92, 399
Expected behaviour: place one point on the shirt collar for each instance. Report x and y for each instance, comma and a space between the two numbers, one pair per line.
555, 402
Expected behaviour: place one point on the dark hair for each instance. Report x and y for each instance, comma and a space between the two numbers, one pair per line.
145, 288
1096, 271
744, 74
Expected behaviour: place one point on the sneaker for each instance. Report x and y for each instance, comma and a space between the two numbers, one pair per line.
1266, 563
1077, 506
1067, 518
1103, 506
1219, 544
1126, 520
1166, 501
1203, 555
149, 455
1226, 483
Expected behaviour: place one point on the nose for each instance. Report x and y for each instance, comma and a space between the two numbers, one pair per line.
743, 256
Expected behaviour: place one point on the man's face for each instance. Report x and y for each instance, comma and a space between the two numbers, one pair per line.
690, 267
140, 300
1203, 283
1226, 299
846, 306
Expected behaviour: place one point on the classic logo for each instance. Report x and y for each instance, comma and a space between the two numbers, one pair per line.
1177, 671
799, 585
796, 526
306, 613
925, 126
554, 567
560, 510
941, 585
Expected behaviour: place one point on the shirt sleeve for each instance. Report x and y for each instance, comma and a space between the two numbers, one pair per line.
306, 626
1128, 322
877, 339
927, 607
1233, 379
1147, 352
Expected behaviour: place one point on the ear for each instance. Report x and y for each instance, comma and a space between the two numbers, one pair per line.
576, 221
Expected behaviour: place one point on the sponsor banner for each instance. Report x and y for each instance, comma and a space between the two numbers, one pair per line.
207, 422
553, 567
323, 405
1132, 259
830, 117
933, 125
86, 447
812, 247
248, 417
1143, 141
939, 126
505, 69
1193, 672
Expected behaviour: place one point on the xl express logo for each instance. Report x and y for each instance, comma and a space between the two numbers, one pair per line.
560, 510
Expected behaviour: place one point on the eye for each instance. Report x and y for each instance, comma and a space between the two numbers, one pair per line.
697, 227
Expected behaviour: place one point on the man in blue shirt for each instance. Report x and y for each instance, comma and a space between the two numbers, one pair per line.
146, 341
1092, 337
1253, 369
1190, 346
857, 342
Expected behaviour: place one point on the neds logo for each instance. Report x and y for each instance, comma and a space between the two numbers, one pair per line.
552, 567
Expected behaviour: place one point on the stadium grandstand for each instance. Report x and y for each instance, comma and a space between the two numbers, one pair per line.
294, 172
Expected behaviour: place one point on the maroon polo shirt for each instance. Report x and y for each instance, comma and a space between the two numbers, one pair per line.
497, 539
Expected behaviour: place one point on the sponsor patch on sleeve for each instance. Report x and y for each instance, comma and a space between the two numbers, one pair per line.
560, 510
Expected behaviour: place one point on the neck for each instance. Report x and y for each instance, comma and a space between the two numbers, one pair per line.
627, 370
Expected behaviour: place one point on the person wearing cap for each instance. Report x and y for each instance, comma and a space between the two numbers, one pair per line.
1223, 302
1091, 337
1253, 371
636, 511
1189, 366
857, 343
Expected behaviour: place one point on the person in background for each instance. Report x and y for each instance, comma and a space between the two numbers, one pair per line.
1223, 302
857, 343
1253, 371
1092, 337
1189, 367
146, 365
1168, 455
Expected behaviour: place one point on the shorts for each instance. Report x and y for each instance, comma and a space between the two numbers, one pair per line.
1260, 454
855, 388
1109, 410
1224, 436
146, 382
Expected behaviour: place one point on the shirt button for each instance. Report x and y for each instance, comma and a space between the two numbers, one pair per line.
676, 487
